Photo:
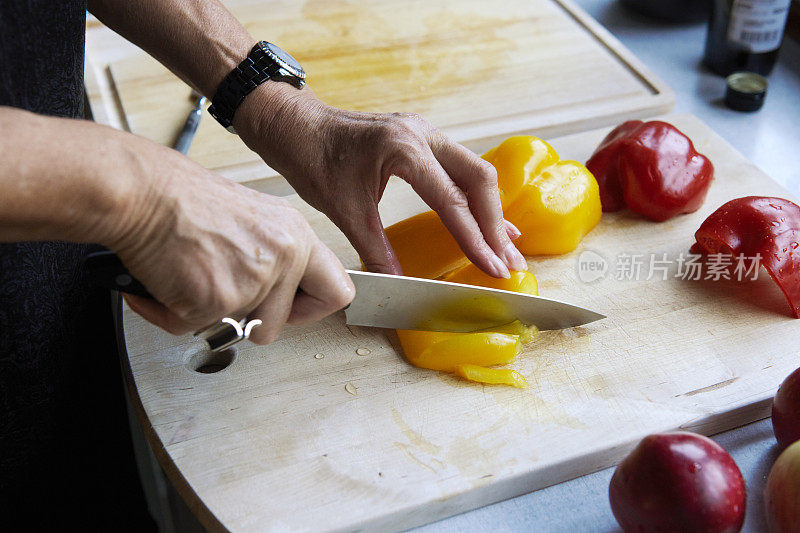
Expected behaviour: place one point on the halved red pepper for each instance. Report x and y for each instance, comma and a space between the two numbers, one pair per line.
758, 226
652, 168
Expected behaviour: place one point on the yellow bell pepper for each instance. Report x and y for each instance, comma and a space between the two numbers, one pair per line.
553, 203
517, 159
424, 246
468, 354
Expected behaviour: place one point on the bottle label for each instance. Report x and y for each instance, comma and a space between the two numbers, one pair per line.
757, 25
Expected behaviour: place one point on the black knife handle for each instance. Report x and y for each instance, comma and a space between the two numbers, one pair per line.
104, 269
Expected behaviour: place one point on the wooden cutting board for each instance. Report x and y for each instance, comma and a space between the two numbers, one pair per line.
478, 70
275, 441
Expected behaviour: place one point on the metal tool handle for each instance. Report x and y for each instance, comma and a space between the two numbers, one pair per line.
105, 269
190, 127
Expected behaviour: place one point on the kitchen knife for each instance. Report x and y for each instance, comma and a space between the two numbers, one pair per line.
400, 302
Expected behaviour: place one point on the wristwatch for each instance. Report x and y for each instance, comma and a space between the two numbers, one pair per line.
264, 62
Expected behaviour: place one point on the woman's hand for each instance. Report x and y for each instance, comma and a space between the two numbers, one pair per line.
207, 248
340, 162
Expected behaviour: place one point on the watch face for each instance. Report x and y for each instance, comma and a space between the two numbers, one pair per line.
284, 59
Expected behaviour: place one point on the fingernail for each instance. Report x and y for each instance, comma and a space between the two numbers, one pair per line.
500, 268
513, 258
512, 230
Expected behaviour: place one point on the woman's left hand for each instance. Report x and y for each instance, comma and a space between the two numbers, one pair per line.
340, 161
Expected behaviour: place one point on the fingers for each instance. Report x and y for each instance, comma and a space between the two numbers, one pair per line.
368, 237
156, 313
450, 202
512, 231
437, 190
461, 188
304, 294
274, 310
325, 287
478, 179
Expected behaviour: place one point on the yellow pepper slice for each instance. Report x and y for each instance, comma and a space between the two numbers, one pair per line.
497, 346
472, 275
553, 203
446, 351
494, 376
525, 333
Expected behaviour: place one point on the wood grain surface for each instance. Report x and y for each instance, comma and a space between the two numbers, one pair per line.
478, 70
283, 440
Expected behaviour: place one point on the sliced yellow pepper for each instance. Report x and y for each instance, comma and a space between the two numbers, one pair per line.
525, 333
494, 376
446, 351
449, 352
472, 275
553, 203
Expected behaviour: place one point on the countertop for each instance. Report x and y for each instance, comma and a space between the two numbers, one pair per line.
771, 139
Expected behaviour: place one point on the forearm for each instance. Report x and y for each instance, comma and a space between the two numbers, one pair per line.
63, 179
202, 42
199, 40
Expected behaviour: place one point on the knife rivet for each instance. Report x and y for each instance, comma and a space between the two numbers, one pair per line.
123, 280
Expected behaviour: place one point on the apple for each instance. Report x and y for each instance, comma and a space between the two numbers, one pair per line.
786, 411
782, 493
678, 481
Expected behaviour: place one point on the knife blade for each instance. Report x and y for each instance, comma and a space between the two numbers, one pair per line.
400, 302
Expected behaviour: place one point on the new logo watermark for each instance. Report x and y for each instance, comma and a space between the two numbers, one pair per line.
591, 266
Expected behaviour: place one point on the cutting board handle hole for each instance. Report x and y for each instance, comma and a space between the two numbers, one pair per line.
208, 362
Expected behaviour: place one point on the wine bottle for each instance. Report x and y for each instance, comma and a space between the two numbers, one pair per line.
745, 35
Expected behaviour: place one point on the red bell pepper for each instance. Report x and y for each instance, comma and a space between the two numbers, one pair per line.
652, 168
758, 226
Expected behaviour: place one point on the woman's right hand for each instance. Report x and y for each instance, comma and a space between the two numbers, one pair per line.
207, 248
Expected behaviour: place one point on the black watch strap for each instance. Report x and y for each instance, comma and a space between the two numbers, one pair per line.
260, 65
